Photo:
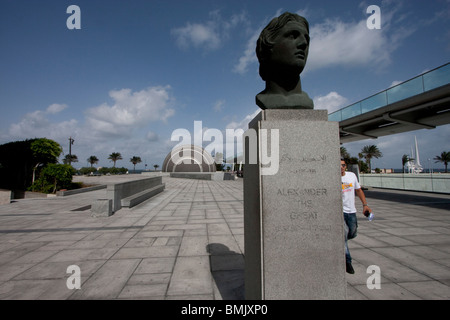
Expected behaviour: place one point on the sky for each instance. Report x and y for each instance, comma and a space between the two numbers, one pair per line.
136, 71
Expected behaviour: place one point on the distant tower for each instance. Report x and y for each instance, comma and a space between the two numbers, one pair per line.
418, 165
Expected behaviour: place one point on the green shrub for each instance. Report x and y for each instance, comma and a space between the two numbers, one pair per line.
53, 177
113, 170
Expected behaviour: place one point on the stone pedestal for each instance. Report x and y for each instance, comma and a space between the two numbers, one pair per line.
5, 196
294, 237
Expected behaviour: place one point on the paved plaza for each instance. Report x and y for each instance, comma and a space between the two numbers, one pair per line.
187, 243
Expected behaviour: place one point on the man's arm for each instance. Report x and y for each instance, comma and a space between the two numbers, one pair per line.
362, 197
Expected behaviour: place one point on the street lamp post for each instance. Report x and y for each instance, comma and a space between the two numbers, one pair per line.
71, 141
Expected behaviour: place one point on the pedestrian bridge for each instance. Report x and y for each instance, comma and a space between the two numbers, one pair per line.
422, 102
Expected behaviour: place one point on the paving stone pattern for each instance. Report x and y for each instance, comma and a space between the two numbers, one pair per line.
188, 243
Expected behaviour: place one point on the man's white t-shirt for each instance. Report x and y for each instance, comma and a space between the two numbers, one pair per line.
349, 185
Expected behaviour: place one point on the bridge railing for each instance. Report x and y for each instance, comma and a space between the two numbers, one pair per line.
425, 82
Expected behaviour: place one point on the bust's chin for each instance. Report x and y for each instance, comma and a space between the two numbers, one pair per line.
267, 100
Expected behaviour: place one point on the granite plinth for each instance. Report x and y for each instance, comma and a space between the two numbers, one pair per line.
294, 237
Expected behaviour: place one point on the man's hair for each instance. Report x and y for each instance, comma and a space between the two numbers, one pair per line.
267, 37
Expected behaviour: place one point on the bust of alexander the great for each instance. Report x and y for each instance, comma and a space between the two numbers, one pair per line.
282, 50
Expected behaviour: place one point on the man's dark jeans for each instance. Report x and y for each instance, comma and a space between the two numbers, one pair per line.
351, 227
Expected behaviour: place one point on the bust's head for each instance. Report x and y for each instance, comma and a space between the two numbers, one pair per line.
283, 46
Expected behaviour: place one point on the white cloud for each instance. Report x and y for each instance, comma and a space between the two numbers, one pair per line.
130, 110
209, 35
249, 55
197, 35
106, 128
56, 108
334, 42
37, 124
332, 101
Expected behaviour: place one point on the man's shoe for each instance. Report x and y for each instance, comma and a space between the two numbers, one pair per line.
349, 268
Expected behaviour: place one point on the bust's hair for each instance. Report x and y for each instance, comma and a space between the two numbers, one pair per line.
267, 37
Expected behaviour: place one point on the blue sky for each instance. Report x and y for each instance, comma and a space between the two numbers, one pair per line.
137, 70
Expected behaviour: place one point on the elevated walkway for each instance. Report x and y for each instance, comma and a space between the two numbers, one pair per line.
422, 102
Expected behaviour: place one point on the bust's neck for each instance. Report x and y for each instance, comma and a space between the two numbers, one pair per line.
284, 86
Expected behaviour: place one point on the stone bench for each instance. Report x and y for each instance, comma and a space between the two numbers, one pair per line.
128, 194
137, 198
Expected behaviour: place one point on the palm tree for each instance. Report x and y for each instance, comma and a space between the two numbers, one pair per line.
344, 153
114, 157
134, 161
445, 158
369, 152
69, 158
92, 160
405, 160
155, 166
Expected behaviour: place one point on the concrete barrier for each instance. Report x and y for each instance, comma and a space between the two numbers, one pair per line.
437, 182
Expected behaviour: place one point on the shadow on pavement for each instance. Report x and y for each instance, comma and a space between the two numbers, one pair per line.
227, 268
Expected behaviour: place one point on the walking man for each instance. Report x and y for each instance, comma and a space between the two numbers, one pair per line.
350, 186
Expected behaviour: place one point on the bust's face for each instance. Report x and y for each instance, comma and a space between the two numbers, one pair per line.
291, 47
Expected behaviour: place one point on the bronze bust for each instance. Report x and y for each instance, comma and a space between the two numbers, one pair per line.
282, 50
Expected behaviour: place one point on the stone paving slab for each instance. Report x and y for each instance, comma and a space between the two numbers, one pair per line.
187, 243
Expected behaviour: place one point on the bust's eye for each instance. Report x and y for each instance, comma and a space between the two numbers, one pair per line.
293, 35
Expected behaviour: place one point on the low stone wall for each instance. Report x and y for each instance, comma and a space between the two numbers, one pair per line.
217, 176
438, 182
81, 190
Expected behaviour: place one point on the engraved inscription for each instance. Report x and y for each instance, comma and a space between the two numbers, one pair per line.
303, 165
293, 228
305, 203
305, 171
303, 215
293, 192
316, 158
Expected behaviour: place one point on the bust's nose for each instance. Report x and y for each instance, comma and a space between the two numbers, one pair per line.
302, 42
